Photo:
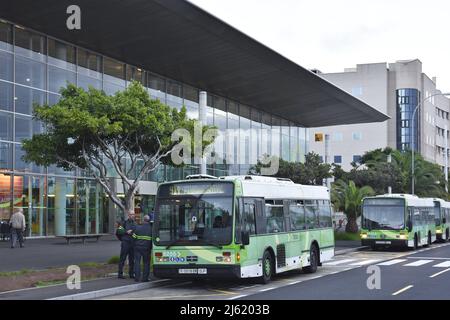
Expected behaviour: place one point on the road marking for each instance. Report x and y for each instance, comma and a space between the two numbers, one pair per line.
295, 282
391, 262
402, 290
418, 263
223, 291
445, 264
439, 273
267, 289
335, 263
434, 258
365, 262
237, 297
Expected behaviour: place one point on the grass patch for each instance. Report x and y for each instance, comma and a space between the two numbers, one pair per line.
91, 264
114, 260
41, 284
347, 236
15, 273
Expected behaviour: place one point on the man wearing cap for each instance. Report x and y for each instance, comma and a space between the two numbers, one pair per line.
142, 248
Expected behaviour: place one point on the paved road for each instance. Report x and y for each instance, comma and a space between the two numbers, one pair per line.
424, 274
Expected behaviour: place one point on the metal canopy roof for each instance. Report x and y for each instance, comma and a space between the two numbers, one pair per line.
181, 41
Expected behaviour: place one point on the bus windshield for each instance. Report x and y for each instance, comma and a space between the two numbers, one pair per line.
195, 214
384, 214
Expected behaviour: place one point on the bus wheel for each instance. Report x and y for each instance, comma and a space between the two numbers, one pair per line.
416, 242
447, 235
313, 260
429, 239
267, 268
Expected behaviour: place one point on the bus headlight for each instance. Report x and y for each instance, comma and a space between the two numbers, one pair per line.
363, 235
403, 237
439, 231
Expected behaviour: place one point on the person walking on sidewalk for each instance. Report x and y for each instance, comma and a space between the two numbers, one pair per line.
17, 223
142, 249
127, 245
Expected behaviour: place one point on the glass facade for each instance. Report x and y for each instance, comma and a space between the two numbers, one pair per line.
407, 100
34, 67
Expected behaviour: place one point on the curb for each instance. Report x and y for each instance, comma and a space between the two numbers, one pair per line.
108, 292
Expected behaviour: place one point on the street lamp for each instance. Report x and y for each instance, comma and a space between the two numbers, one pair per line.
413, 135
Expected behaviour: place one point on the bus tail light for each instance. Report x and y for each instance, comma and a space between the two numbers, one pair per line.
158, 254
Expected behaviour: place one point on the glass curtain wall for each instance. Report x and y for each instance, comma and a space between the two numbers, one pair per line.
34, 68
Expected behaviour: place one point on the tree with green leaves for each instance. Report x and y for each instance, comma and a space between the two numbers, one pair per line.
89, 130
311, 172
347, 197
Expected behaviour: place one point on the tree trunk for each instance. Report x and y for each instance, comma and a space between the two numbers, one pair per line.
352, 226
129, 204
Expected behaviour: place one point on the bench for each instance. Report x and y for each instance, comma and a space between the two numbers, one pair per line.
83, 237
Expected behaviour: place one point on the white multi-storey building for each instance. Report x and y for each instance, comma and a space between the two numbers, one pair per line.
394, 89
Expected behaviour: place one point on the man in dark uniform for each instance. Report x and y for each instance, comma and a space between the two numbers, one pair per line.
127, 245
142, 248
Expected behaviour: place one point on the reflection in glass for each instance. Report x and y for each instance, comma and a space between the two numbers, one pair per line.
5, 36
27, 97
61, 55
6, 66
114, 72
59, 78
30, 44
30, 73
135, 74
6, 126
6, 96
5, 156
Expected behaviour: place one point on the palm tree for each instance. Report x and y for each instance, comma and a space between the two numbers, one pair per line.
348, 198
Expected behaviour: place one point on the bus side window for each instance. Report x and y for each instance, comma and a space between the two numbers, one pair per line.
297, 213
249, 218
311, 214
238, 220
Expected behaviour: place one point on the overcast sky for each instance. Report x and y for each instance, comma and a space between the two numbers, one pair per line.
331, 35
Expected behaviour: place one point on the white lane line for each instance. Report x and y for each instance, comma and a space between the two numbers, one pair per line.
295, 282
391, 262
418, 263
237, 297
434, 258
445, 264
365, 262
267, 289
402, 290
335, 263
439, 273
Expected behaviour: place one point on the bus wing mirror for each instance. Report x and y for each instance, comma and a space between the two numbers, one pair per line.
444, 220
410, 227
245, 237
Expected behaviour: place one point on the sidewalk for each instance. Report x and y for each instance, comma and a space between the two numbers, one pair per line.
61, 290
40, 254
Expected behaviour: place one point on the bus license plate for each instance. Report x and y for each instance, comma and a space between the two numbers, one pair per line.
382, 242
193, 271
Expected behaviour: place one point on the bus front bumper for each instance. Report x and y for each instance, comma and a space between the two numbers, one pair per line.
395, 243
199, 271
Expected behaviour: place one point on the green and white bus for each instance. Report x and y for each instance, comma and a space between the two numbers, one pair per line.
442, 217
240, 226
397, 220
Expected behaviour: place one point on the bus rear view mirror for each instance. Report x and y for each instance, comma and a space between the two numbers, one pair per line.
410, 227
245, 238
444, 220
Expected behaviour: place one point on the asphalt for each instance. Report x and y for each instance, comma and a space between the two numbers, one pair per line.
41, 254
352, 284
